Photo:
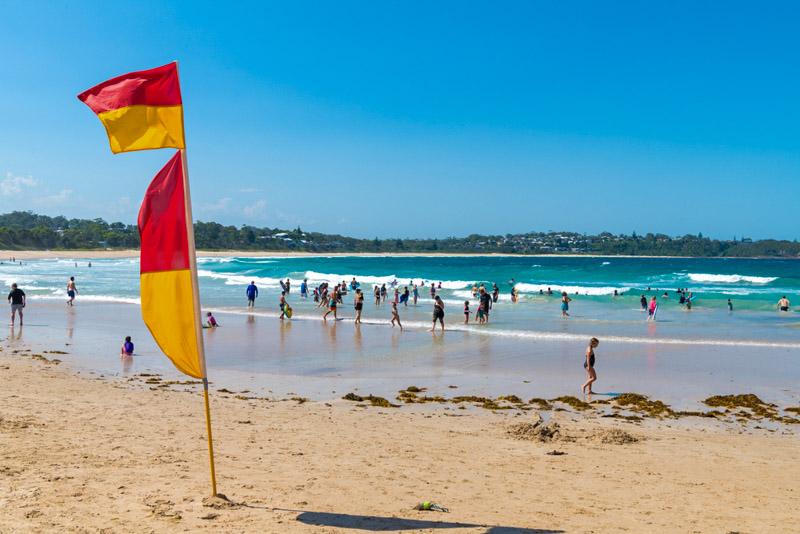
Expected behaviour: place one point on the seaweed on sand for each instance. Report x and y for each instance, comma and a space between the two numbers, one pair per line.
640, 403
752, 402
573, 401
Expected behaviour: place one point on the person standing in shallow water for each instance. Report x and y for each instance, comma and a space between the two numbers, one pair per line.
438, 312
589, 366
17, 300
565, 300
71, 290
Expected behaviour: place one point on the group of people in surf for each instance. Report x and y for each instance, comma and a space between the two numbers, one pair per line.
330, 297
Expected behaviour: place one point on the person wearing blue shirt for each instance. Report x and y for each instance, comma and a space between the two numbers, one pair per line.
252, 293
304, 288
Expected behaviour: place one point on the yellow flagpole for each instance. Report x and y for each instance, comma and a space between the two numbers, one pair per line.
198, 325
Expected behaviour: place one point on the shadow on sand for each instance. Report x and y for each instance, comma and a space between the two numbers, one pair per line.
375, 523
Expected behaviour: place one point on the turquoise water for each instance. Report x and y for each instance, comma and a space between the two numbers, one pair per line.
753, 285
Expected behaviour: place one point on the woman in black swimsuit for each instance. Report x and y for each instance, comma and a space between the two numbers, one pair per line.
589, 366
438, 312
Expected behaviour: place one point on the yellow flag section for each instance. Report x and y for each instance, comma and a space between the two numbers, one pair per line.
168, 306
140, 110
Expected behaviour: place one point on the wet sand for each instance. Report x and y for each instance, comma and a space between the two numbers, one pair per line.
324, 360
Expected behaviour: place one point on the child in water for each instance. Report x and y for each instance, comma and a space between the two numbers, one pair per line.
396, 316
466, 311
589, 366
210, 320
127, 347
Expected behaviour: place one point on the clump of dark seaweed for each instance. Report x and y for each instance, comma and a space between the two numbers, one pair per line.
353, 397
380, 401
471, 398
300, 400
640, 403
573, 401
752, 402
511, 398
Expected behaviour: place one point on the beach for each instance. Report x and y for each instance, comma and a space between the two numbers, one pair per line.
464, 418
82, 453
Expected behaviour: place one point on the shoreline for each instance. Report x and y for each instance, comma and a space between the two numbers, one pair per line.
133, 253
279, 462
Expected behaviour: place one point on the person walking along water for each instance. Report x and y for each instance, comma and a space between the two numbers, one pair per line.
438, 312
17, 300
589, 366
71, 290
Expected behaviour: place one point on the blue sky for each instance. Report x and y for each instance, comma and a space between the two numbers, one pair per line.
422, 119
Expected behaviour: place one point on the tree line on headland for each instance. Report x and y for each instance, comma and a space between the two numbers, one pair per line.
24, 230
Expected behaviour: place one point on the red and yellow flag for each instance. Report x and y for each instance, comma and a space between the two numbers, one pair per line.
166, 282
140, 110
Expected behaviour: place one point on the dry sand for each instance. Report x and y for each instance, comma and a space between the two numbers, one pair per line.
81, 453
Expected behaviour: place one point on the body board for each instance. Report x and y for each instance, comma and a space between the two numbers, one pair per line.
655, 312
288, 311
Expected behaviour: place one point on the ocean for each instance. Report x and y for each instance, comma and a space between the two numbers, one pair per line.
752, 348
753, 285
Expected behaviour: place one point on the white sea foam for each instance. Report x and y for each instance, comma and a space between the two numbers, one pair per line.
606, 263
239, 279
570, 290
729, 278
88, 298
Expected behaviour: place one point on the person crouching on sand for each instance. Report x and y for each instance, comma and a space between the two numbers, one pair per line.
396, 316
589, 366
210, 320
127, 347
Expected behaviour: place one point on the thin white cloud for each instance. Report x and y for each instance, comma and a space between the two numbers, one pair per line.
222, 204
123, 204
61, 198
13, 185
248, 190
256, 211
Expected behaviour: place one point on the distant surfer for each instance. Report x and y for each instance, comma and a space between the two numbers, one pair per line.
589, 366
784, 305
252, 293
